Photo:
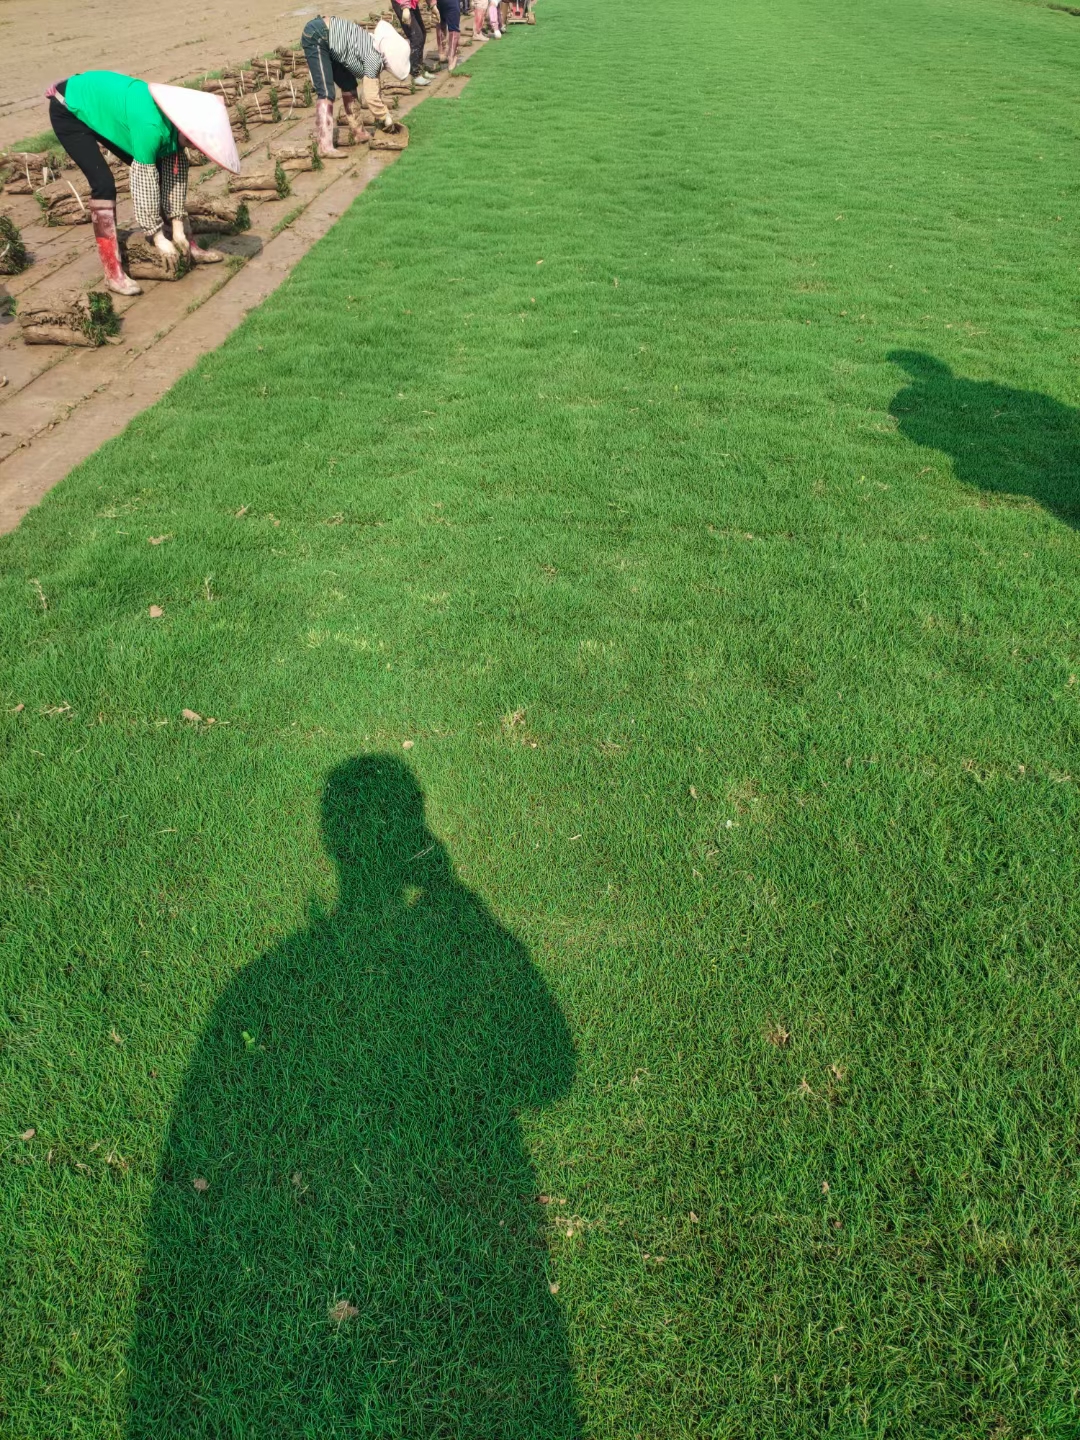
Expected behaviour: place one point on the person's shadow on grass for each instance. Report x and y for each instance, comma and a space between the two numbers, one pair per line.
1014, 442
343, 1238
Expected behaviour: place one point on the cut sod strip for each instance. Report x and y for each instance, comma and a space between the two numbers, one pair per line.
539, 786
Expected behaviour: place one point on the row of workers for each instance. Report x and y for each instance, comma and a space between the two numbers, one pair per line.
448, 28
147, 126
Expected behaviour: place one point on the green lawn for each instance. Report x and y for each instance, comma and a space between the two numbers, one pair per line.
631, 568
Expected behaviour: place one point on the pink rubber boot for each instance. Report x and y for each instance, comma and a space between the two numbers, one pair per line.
493, 21
184, 239
324, 131
352, 114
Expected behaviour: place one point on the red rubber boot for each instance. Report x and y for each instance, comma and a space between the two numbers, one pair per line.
103, 219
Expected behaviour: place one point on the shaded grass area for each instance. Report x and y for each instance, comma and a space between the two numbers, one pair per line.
391, 1044
695, 497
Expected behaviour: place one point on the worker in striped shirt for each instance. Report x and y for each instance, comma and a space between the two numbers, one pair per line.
344, 53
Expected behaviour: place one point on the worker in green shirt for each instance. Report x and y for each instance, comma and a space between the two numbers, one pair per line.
147, 127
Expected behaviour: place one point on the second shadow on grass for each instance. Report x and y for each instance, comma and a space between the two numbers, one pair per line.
365, 1257
1014, 442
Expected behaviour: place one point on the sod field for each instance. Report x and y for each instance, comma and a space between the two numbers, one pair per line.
598, 956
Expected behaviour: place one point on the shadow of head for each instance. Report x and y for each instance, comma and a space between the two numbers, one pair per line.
373, 815
1000, 439
920, 366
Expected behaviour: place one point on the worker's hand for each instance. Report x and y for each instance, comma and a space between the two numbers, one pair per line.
405, 18
180, 239
164, 244
389, 124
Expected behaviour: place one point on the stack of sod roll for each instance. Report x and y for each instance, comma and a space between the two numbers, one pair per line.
257, 107
66, 201
295, 158
263, 92
293, 62
213, 215
270, 184
28, 170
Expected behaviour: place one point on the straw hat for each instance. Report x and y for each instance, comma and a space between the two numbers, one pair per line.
394, 49
202, 120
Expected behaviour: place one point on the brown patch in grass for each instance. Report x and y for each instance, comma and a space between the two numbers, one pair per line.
514, 727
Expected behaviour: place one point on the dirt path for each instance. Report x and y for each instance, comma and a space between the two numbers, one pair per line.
59, 405
45, 42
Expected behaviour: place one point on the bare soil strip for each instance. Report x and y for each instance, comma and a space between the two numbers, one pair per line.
59, 405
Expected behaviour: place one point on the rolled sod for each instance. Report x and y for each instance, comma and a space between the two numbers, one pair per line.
83, 318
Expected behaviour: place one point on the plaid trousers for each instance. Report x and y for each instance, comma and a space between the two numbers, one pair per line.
159, 191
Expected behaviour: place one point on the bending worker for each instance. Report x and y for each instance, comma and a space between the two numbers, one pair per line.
412, 25
147, 127
342, 52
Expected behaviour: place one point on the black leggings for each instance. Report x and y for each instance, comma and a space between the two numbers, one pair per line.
417, 36
81, 143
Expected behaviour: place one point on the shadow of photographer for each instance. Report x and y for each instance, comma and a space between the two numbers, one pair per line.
1013, 442
365, 1257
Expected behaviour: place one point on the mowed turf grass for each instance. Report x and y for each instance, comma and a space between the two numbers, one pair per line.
612, 959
